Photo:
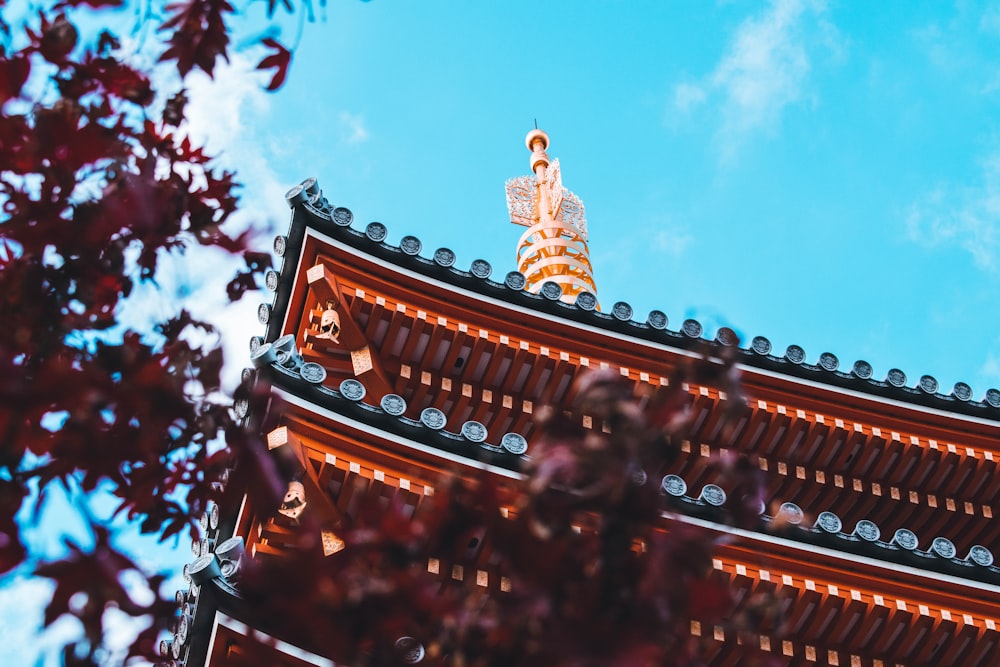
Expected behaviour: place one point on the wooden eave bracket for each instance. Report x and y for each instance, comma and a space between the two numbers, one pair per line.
324, 287
282, 437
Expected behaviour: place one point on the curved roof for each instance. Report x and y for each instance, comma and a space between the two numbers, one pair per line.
690, 335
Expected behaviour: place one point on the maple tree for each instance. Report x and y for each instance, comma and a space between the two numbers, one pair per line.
98, 183
596, 576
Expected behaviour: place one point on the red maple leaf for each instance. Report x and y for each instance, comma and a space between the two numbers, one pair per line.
13, 73
280, 60
199, 36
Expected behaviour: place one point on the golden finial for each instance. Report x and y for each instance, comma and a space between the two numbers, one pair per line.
554, 247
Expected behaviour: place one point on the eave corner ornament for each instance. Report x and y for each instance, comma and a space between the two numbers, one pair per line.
554, 247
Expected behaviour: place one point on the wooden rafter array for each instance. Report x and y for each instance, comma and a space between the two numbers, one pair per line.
835, 612
822, 448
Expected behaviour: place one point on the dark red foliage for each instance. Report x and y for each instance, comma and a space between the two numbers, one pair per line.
95, 191
94, 195
279, 60
272, 4
198, 35
13, 73
93, 4
87, 583
595, 575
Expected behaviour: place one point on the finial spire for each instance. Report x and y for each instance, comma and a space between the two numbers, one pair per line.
554, 247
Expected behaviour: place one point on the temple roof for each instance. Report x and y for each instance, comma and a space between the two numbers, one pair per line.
455, 442
471, 441
690, 335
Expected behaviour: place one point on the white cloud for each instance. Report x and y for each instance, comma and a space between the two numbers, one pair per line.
991, 368
989, 22
220, 114
687, 96
765, 69
966, 216
673, 240
352, 128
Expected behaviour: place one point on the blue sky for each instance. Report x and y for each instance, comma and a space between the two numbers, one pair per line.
820, 173
825, 174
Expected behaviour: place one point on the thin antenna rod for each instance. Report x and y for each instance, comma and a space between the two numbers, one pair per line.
536, 123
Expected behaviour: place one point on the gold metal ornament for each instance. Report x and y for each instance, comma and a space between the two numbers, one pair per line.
294, 502
554, 247
329, 323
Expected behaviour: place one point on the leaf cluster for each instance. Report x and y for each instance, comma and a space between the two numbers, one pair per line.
576, 564
96, 188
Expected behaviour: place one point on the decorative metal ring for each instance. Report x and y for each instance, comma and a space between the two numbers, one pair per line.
255, 343
795, 354
943, 547
791, 512
905, 538
264, 355
962, 391
286, 343
342, 217
692, 328
657, 319
296, 195
231, 549
515, 443
829, 522
980, 555
473, 431
928, 384
313, 373
352, 389
444, 257
376, 231
993, 397
621, 311
393, 404
551, 290
896, 377
867, 530
713, 495
280, 245
204, 568
410, 650
727, 337
264, 313
515, 280
586, 301
760, 345
410, 245
433, 418
182, 633
862, 369
828, 361
481, 269
674, 485
271, 280
311, 186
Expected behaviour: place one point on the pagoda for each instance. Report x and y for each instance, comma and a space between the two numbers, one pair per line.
395, 364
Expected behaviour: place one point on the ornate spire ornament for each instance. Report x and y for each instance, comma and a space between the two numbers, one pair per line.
554, 247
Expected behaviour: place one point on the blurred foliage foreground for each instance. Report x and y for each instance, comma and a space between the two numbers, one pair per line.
98, 183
